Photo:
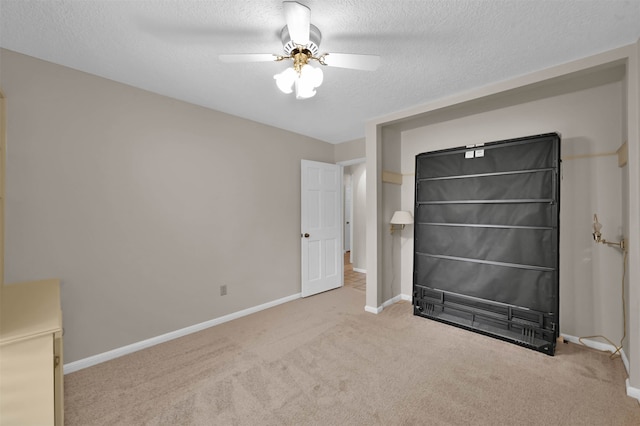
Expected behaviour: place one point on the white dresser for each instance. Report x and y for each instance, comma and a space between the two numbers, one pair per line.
31, 376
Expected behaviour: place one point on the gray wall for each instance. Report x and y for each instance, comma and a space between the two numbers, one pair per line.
359, 194
391, 201
350, 150
143, 205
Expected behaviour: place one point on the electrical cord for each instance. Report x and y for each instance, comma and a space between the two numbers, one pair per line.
624, 315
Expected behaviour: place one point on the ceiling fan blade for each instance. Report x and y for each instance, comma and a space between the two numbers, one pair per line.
248, 57
298, 18
352, 61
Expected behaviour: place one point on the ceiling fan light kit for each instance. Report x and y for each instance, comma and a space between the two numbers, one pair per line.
305, 81
301, 44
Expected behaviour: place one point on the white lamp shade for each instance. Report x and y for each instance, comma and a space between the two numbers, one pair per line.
309, 79
305, 83
285, 80
402, 217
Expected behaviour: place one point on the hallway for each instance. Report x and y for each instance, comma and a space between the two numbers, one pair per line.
353, 279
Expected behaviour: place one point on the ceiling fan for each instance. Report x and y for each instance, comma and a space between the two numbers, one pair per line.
301, 42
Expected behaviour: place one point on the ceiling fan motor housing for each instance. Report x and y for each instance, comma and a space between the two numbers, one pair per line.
314, 40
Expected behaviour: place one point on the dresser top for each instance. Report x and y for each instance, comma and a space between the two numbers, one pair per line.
30, 309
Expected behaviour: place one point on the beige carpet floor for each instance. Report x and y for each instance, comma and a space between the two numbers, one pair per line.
324, 361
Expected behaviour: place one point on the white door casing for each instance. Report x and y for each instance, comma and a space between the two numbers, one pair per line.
347, 216
321, 227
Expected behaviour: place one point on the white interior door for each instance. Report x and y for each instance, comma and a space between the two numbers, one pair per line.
321, 227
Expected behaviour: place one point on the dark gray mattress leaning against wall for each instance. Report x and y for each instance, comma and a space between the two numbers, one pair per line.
486, 242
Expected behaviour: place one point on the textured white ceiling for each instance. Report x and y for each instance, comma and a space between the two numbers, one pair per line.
429, 49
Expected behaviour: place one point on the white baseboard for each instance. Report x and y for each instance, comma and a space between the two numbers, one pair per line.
631, 391
391, 301
372, 309
594, 344
625, 360
387, 303
134, 347
362, 271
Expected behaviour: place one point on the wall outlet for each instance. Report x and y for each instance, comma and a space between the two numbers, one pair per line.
223, 290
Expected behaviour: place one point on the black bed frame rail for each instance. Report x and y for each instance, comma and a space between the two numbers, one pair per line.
522, 326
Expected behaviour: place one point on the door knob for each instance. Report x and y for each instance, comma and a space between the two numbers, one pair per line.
306, 235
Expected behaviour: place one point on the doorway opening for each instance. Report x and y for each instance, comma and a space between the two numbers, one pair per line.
353, 279
354, 223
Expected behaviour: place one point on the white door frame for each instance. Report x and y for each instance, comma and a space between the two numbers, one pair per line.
353, 193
